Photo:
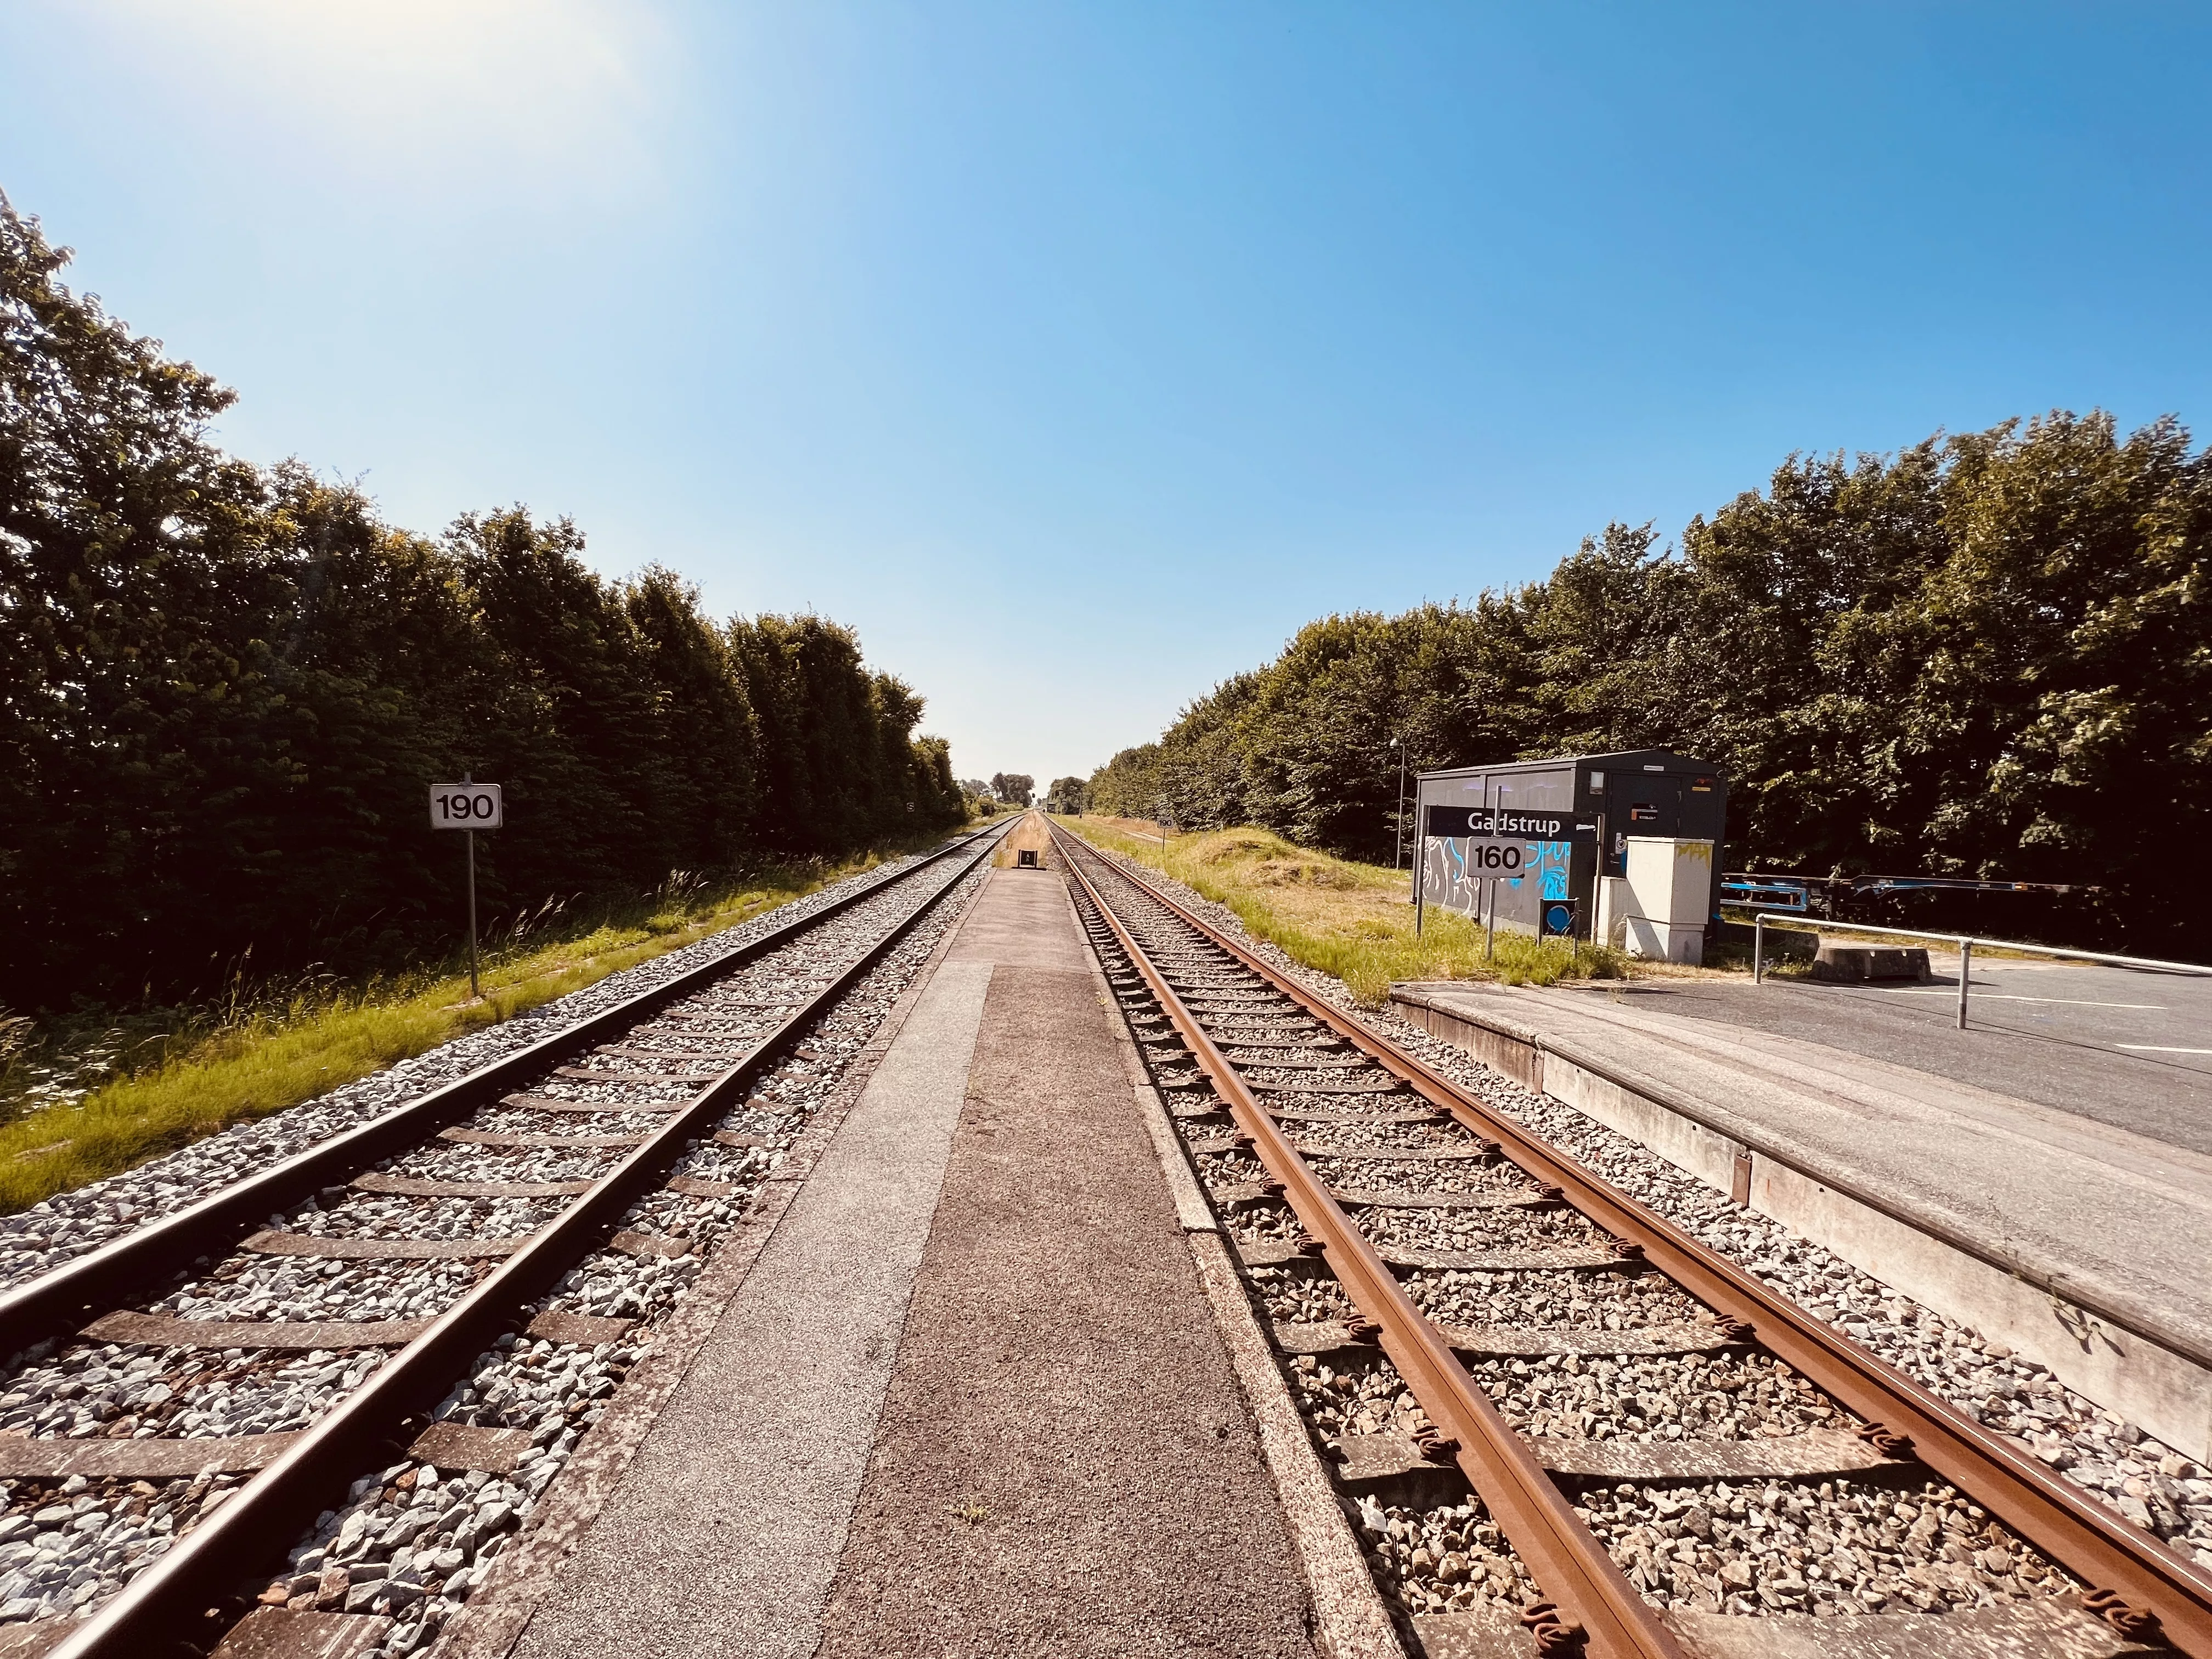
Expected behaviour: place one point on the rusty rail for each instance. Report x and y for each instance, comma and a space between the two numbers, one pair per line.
2143, 1590
1594, 1602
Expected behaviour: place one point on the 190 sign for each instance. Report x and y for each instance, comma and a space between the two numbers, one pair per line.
466, 806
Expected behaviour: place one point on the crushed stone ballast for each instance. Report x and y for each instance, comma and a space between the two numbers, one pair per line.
1476, 1326
455, 1281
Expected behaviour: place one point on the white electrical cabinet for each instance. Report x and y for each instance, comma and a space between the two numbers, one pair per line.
1658, 910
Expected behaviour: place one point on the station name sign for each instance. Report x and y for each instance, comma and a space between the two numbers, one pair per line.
1506, 823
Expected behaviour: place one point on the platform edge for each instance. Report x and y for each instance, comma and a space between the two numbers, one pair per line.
2100, 1352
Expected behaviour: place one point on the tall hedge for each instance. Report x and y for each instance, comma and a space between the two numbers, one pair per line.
224, 691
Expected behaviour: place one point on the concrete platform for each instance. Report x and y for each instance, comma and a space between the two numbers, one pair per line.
2081, 1244
2130, 1048
971, 1398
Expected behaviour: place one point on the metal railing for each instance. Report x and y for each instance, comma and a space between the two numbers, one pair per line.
1965, 942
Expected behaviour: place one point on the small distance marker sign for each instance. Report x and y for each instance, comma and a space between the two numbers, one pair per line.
466, 806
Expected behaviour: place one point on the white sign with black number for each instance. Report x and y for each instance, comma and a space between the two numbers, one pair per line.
466, 806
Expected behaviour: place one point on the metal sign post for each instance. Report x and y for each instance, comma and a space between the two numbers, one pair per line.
468, 807
475, 994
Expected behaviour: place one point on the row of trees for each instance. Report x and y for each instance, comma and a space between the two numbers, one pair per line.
1004, 789
223, 691
1989, 655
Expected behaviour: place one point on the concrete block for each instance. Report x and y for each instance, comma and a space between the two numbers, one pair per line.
1665, 941
1857, 964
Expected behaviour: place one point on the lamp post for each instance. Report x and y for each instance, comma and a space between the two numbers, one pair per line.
1398, 852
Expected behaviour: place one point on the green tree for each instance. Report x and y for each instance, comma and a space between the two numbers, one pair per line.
703, 729
131, 676
222, 693
1988, 655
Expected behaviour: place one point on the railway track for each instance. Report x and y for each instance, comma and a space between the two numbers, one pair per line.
1564, 1424
404, 1328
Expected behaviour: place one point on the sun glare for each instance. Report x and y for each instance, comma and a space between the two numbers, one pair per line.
516, 84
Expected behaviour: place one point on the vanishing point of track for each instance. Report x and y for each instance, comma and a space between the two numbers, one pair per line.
1227, 1035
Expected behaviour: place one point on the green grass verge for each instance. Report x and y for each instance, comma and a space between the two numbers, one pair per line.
1348, 920
259, 1052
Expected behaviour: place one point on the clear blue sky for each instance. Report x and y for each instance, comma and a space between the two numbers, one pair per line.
1076, 355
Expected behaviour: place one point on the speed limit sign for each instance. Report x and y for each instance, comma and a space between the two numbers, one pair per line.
464, 806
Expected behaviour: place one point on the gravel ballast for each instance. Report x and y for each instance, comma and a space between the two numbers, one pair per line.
408, 1542
1834, 1546
72, 1223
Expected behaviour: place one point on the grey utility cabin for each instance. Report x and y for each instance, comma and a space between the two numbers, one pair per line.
1523, 841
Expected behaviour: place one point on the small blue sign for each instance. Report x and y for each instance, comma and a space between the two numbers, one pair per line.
1558, 918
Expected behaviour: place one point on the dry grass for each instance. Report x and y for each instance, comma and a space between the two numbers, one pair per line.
1345, 919
261, 1052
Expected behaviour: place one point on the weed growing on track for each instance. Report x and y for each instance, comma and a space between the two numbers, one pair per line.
97, 1092
1348, 920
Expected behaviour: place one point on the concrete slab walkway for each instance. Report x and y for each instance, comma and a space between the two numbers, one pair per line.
2129, 1049
971, 1399
2128, 1215
724, 1531
1065, 1464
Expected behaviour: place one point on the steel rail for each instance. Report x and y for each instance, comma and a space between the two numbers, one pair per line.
179, 1602
2140, 1587
58, 1302
1594, 1601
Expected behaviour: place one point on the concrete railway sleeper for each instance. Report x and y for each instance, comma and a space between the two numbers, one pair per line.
1565, 1425
453, 1298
